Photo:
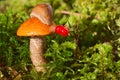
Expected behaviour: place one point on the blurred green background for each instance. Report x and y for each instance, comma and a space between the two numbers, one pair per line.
90, 52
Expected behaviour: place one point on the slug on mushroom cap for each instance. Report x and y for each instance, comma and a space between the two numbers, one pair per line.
43, 13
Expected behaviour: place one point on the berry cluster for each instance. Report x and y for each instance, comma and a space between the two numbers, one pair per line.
63, 31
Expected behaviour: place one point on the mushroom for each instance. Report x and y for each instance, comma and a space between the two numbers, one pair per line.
37, 27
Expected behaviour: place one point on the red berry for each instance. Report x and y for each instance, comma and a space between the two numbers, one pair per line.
61, 30
58, 29
64, 32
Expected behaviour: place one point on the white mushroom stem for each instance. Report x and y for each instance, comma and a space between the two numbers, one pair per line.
37, 48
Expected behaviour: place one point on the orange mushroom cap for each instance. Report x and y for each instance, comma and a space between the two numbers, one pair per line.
33, 27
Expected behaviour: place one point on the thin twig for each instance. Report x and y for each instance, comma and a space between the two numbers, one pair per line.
70, 13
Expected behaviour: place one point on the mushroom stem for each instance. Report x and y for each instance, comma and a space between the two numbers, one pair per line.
37, 48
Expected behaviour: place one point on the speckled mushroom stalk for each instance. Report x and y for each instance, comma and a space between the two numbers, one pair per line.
39, 25
37, 48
